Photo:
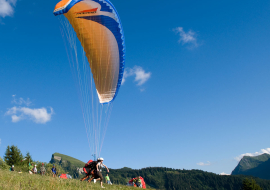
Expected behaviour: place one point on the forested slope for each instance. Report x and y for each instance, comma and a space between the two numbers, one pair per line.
170, 179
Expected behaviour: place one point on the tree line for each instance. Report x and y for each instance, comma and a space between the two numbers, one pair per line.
172, 179
14, 157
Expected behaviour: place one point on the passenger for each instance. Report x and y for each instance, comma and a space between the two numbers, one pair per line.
54, 171
42, 170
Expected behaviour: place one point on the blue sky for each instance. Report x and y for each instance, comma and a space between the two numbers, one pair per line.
201, 98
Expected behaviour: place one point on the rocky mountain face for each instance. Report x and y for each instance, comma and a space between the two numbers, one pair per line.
72, 165
258, 166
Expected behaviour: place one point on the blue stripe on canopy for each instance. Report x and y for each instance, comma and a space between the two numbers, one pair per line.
106, 6
65, 10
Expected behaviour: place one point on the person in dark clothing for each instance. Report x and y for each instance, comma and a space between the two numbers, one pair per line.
54, 171
89, 169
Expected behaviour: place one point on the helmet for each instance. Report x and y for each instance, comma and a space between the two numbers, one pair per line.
101, 159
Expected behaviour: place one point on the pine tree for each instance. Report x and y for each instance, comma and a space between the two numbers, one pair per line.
13, 156
28, 158
250, 185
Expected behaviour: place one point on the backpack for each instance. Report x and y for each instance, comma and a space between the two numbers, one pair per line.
90, 165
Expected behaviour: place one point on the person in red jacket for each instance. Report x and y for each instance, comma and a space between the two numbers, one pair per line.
89, 169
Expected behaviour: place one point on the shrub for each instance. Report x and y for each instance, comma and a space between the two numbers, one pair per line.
3, 164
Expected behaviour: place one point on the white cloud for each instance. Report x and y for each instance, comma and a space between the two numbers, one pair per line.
187, 37
263, 151
21, 101
204, 164
126, 75
141, 76
16, 118
23, 112
40, 115
223, 173
7, 7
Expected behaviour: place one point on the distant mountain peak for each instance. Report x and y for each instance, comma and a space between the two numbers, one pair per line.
257, 166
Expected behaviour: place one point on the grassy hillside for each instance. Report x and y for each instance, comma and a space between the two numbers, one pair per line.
14, 180
73, 161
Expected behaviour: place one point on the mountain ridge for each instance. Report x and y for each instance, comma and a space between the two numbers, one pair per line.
257, 166
58, 157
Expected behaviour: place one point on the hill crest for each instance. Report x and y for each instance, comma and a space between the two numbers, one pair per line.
57, 157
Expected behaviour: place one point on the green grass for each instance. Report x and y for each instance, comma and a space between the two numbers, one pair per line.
73, 161
16, 181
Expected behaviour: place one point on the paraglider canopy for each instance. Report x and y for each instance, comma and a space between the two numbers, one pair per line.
98, 27
96, 53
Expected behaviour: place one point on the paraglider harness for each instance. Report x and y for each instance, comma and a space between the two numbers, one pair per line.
90, 167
